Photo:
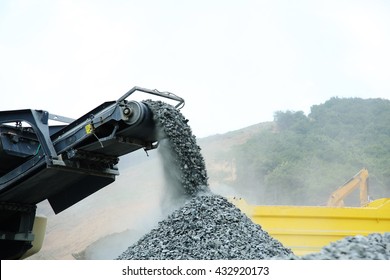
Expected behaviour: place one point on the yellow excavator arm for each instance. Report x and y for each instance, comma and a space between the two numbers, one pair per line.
360, 180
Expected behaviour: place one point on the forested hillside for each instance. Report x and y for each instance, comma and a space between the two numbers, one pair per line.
301, 159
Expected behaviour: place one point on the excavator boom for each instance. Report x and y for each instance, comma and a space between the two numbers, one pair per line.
360, 180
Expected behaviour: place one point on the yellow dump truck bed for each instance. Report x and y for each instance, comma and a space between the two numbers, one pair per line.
306, 229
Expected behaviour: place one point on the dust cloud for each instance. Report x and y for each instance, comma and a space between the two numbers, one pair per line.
173, 194
151, 198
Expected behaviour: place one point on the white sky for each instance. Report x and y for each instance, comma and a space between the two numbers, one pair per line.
234, 62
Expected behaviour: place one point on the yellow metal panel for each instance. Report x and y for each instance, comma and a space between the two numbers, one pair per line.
306, 229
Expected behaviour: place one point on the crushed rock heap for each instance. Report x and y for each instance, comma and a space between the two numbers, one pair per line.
207, 226
374, 246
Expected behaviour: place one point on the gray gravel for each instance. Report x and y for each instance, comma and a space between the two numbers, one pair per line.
371, 247
183, 161
207, 227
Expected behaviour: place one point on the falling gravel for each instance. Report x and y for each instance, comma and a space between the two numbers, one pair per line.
183, 161
207, 226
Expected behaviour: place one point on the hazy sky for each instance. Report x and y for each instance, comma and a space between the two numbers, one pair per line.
234, 62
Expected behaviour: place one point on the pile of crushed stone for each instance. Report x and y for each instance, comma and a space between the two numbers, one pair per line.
207, 227
374, 246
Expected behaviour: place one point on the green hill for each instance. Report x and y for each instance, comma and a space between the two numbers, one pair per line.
301, 159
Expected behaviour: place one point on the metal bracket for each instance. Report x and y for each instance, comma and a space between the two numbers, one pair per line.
164, 94
39, 122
